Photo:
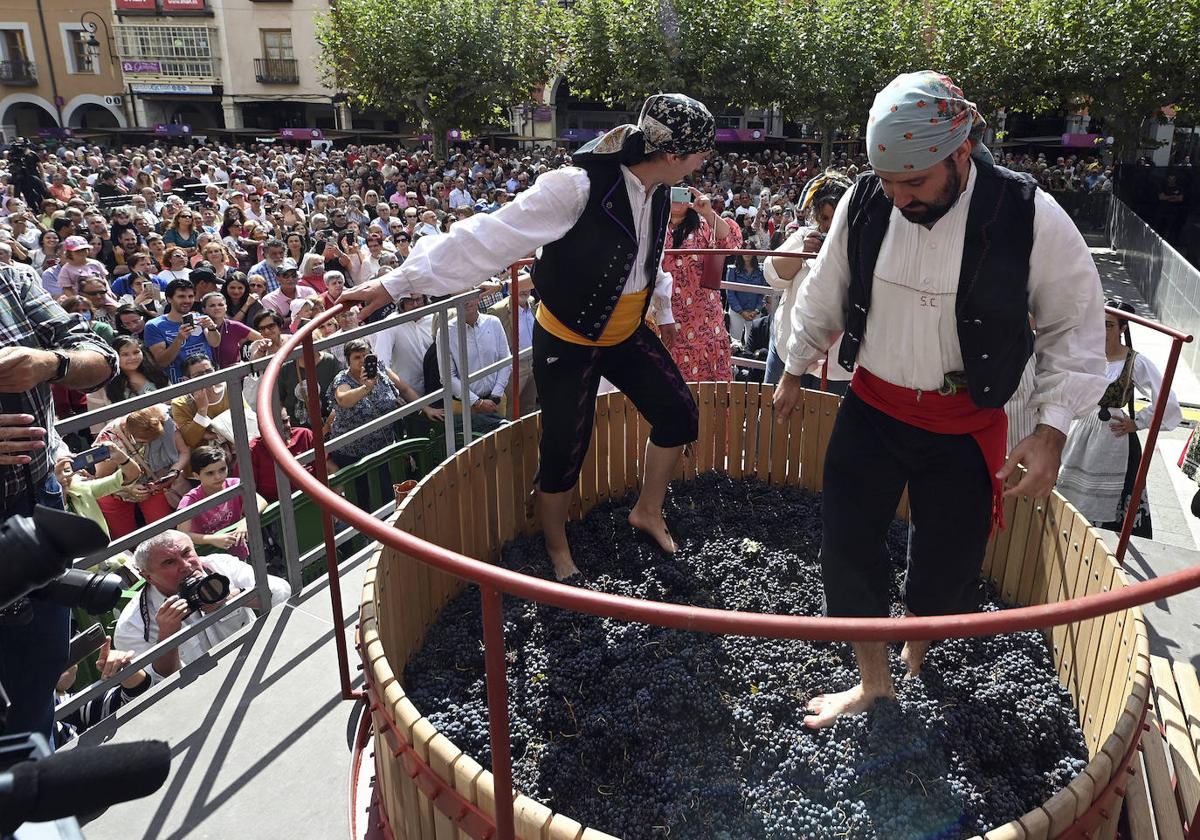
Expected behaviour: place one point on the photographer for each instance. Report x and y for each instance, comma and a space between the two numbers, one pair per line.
167, 560
42, 344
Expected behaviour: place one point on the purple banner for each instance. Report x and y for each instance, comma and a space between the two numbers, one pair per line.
543, 113
59, 133
580, 135
1080, 140
741, 135
141, 67
173, 129
301, 134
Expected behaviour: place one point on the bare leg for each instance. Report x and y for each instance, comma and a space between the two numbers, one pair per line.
647, 513
554, 508
913, 654
825, 709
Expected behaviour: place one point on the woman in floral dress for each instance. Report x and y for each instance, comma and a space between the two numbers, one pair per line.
701, 346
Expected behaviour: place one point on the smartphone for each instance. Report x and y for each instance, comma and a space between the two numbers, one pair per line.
189, 320
681, 195
85, 643
166, 480
85, 460
371, 366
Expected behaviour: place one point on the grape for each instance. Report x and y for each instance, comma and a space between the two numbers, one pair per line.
647, 732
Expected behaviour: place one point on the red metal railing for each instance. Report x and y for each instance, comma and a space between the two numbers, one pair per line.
495, 581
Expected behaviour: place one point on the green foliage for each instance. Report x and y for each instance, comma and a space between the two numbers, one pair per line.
446, 63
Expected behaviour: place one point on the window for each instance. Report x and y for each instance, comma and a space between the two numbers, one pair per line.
180, 51
277, 43
16, 68
80, 57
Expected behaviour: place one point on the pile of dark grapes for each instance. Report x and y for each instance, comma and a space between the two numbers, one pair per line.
644, 732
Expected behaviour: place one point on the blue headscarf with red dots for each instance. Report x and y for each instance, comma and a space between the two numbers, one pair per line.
918, 120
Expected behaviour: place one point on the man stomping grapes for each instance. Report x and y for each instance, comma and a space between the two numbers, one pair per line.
932, 266
601, 227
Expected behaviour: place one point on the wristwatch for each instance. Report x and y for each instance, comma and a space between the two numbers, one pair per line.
64, 364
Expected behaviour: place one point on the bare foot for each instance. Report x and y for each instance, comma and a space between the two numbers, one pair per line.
564, 566
824, 709
655, 527
913, 656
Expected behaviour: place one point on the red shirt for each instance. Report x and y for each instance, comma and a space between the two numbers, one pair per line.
263, 465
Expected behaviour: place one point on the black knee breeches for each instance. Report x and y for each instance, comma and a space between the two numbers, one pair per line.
568, 376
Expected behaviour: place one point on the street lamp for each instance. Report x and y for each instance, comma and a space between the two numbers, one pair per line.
90, 27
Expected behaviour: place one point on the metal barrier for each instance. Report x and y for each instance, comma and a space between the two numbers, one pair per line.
234, 378
495, 581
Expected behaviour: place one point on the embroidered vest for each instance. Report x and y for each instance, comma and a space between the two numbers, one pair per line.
580, 276
992, 307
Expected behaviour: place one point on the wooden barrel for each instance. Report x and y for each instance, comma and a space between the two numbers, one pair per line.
476, 501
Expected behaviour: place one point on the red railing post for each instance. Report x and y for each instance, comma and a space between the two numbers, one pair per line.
497, 693
1139, 482
317, 424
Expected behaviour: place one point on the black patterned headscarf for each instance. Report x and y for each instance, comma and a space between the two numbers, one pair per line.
669, 122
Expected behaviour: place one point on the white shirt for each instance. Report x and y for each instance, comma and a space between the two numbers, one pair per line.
460, 198
479, 246
486, 344
130, 633
403, 348
911, 337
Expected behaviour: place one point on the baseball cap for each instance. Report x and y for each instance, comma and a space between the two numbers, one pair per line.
288, 266
75, 243
203, 273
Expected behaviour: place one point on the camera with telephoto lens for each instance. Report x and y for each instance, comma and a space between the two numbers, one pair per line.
37, 552
203, 589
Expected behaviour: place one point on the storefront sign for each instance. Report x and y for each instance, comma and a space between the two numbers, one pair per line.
135, 5
543, 113
164, 87
183, 5
580, 135
301, 134
741, 135
173, 129
141, 66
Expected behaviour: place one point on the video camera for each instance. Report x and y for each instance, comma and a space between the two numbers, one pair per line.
37, 552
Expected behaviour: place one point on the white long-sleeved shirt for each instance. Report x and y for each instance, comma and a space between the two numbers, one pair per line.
911, 337
486, 344
479, 246
403, 348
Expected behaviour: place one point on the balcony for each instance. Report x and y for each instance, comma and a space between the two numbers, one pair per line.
276, 71
17, 73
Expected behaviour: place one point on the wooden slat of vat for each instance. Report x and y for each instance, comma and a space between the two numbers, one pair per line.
531, 429
643, 430
1158, 780
593, 834
1064, 636
1137, 804
531, 819
1097, 665
1009, 831
1189, 696
795, 455
1052, 552
563, 828
996, 557
1093, 575
442, 757
616, 445
1128, 683
422, 733
705, 445
779, 447
1030, 564
828, 409
1014, 550
1179, 740
448, 536
511, 486
761, 418
1060, 809
587, 476
721, 427
467, 773
1036, 824
685, 469
479, 499
1099, 770
737, 429
601, 443
468, 524
812, 440
497, 481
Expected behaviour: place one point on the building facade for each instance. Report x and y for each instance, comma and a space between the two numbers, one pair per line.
57, 69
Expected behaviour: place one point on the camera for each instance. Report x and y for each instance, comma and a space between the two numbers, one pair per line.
38, 550
203, 589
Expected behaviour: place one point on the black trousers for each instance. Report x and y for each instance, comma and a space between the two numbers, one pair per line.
870, 458
568, 377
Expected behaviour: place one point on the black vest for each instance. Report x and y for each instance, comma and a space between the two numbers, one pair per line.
579, 278
992, 307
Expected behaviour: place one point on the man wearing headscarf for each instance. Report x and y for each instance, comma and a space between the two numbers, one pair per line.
933, 264
599, 227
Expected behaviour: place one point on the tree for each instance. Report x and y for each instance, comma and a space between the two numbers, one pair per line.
445, 63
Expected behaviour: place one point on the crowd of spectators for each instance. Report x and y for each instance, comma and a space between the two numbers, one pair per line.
193, 259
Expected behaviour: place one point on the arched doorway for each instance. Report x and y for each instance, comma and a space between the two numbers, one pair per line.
23, 118
90, 115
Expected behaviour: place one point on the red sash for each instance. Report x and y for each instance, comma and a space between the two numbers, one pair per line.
945, 414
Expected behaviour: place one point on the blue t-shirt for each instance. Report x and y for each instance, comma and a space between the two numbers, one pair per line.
162, 330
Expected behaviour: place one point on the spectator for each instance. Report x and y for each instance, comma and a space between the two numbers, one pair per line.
82, 492
526, 315
744, 307
404, 345
269, 267
131, 319
46, 255
136, 374
150, 438
175, 266
193, 413
360, 399
182, 232
101, 306
180, 333
289, 289
298, 440
486, 345
269, 324
234, 334
166, 560
208, 464
77, 263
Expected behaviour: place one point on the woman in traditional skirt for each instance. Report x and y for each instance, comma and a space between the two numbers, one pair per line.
1102, 453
